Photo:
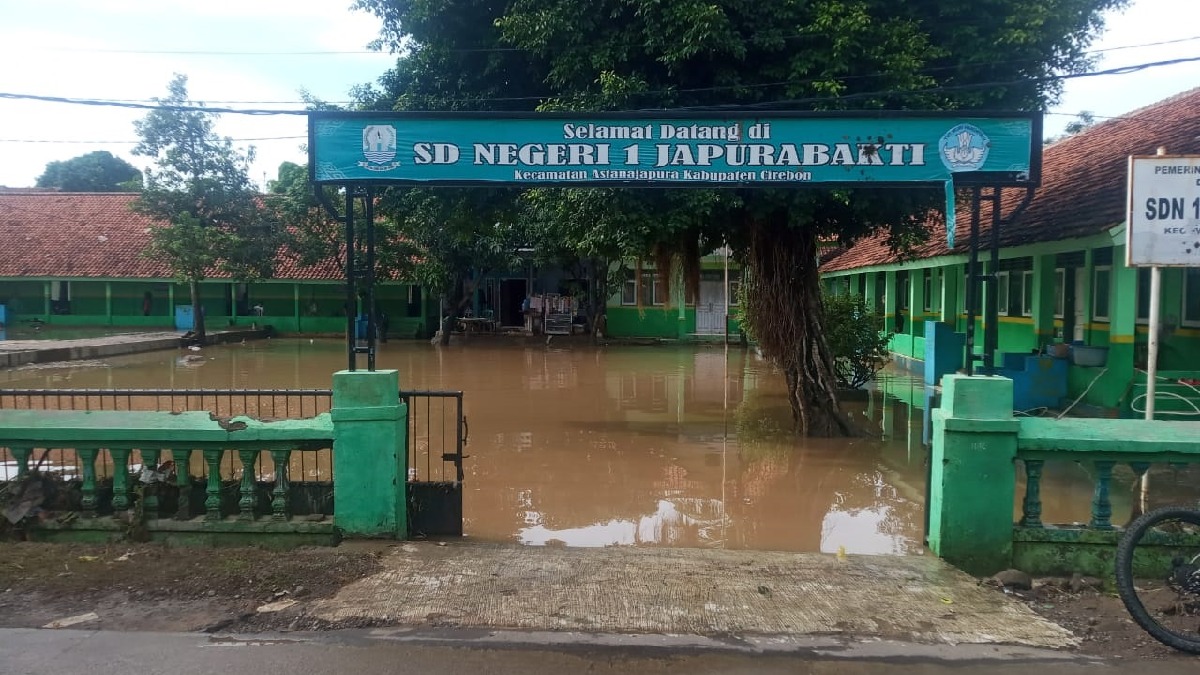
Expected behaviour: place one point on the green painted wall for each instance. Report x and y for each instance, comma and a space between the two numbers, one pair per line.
650, 322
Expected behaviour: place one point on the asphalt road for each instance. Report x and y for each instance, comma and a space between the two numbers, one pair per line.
66, 652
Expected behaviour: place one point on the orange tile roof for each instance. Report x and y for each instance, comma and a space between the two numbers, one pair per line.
96, 235
1083, 189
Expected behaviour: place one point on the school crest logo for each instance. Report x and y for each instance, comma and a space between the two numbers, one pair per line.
964, 148
379, 147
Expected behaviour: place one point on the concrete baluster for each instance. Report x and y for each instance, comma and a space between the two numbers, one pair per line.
247, 502
183, 481
1031, 506
1101, 504
280, 496
21, 454
87, 457
212, 500
149, 490
120, 458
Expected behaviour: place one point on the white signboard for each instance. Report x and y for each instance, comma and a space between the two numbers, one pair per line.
1163, 228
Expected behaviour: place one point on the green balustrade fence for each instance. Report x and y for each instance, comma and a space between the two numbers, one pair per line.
977, 446
193, 464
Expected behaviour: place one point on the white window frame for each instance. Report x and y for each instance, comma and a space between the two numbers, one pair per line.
631, 280
1002, 299
1183, 318
1027, 289
655, 281
734, 291
927, 290
1096, 314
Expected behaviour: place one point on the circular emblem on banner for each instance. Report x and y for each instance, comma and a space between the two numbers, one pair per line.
379, 147
964, 148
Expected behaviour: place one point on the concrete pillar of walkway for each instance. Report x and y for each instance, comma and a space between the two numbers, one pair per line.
1122, 317
370, 464
869, 291
916, 306
108, 303
951, 291
46, 300
1044, 298
891, 303
972, 476
296, 304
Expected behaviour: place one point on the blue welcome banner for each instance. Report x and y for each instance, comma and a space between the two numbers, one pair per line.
649, 150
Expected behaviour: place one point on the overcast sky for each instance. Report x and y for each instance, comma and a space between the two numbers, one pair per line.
122, 49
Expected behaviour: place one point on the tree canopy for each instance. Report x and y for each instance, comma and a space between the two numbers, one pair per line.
727, 55
201, 190
98, 171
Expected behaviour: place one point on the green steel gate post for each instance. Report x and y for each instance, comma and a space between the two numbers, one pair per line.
972, 477
369, 461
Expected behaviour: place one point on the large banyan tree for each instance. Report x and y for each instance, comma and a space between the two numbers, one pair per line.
713, 55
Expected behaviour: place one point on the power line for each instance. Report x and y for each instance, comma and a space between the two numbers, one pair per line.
761, 85
74, 142
464, 50
1121, 70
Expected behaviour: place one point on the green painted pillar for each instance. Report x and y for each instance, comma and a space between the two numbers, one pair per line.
370, 470
916, 305
1123, 320
171, 302
869, 290
296, 304
1089, 264
108, 303
1043, 299
951, 292
891, 305
972, 477
678, 297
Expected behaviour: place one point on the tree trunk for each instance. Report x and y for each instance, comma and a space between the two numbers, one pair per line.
197, 311
783, 308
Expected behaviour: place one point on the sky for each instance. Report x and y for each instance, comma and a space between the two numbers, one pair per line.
270, 50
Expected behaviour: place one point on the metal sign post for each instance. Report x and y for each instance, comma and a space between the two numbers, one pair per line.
1162, 230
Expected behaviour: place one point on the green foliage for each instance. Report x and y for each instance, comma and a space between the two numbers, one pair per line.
859, 348
200, 189
97, 171
601, 55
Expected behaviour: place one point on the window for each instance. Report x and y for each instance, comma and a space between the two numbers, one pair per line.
1027, 293
1060, 293
651, 289
1101, 289
1002, 288
1143, 295
735, 291
629, 290
904, 290
658, 294
927, 289
1191, 296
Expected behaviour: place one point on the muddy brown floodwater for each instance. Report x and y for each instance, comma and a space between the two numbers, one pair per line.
599, 446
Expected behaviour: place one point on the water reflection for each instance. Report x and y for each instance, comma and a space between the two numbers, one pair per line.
662, 446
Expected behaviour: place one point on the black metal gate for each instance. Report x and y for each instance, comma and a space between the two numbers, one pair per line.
437, 434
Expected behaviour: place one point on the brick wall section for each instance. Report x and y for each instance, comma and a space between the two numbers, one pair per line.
1083, 189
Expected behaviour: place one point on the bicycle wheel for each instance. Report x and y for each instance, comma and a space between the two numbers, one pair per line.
1158, 575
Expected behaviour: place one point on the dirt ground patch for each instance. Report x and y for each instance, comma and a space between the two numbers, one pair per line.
154, 587
1097, 616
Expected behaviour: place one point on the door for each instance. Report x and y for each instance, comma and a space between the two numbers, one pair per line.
710, 308
1081, 313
